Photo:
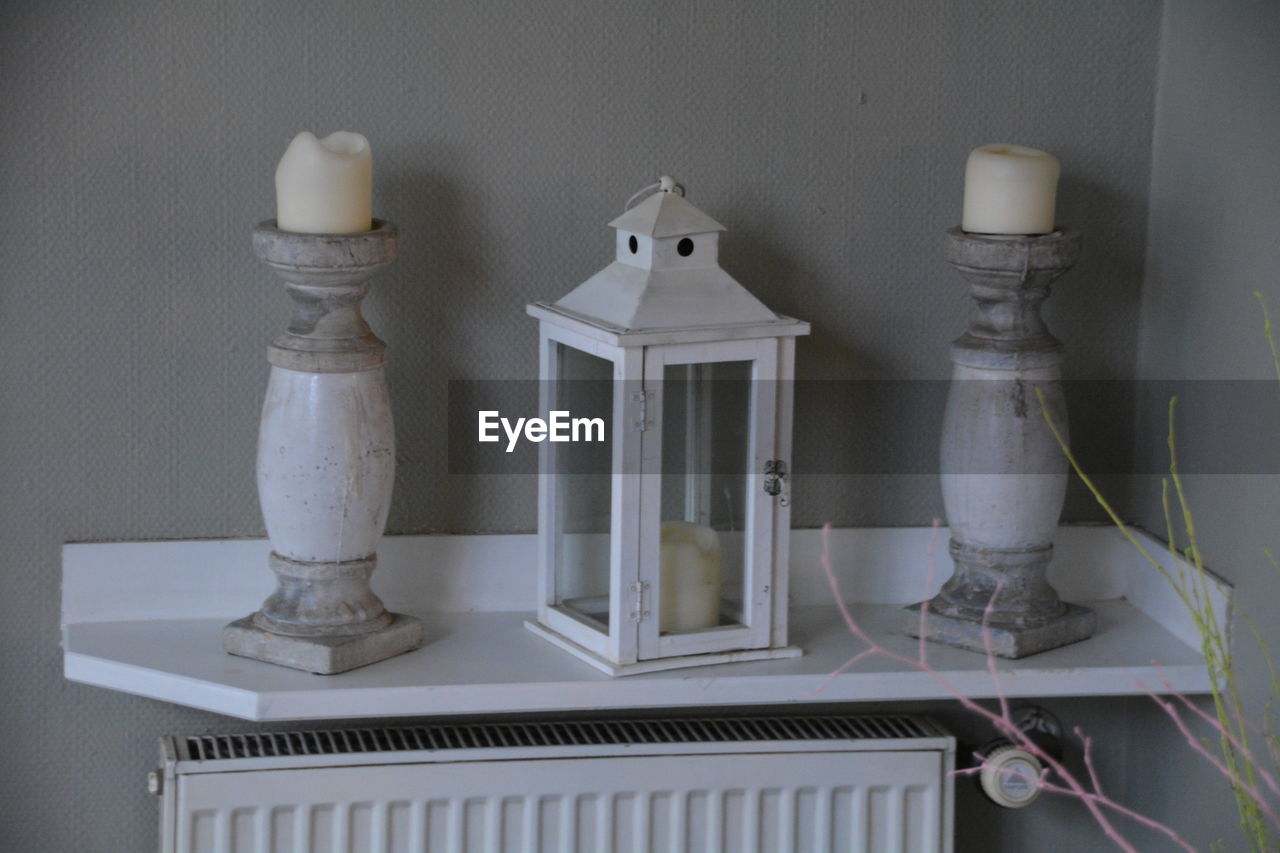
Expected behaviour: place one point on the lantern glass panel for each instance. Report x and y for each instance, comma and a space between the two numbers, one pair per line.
706, 449
583, 488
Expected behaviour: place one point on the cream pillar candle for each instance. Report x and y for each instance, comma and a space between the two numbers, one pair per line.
689, 578
1009, 189
325, 186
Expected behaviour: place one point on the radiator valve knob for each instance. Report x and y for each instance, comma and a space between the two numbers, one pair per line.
1009, 776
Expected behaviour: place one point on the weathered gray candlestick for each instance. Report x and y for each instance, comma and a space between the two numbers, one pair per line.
1004, 477
326, 462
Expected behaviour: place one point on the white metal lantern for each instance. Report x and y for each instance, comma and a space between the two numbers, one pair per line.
666, 546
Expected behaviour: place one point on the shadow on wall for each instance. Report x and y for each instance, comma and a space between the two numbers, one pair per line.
418, 307
1102, 414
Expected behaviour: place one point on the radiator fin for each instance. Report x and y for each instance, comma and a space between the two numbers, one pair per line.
806, 818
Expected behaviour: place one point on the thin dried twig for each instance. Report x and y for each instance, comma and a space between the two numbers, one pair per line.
1092, 797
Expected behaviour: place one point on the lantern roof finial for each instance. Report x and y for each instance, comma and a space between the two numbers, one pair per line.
665, 213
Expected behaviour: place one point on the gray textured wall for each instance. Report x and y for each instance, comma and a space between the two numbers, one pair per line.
1215, 206
138, 147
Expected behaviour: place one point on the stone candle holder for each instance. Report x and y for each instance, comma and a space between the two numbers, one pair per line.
1004, 477
326, 462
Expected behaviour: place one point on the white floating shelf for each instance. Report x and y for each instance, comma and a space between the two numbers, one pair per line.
473, 593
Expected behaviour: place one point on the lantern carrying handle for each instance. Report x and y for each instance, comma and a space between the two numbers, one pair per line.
665, 184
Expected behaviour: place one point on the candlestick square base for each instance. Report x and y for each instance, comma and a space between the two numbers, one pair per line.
1004, 640
323, 655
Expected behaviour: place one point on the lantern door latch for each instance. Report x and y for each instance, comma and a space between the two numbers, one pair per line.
637, 611
776, 483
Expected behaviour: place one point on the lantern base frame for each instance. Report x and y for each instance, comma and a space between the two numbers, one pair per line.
325, 654
611, 668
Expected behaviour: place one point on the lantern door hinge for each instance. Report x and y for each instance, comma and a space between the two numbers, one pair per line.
776, 483
637, 611
640, 412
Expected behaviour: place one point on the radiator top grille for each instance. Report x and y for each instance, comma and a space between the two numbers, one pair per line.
535, 734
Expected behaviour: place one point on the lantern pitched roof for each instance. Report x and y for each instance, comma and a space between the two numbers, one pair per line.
692, 294
633, 298
665, 214
665, 287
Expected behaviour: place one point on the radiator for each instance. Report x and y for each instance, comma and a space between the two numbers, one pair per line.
763, 784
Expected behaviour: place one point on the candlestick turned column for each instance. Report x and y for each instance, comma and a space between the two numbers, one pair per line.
1004, 477
326, 462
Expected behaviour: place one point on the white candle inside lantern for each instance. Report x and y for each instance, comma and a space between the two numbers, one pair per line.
325, 186
1009, 189
690, 577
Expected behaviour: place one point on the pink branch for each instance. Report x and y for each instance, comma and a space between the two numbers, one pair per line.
1087, 743
1094, 801
991, 658
1108, 803
1095, 796
841, 670
1222, 731
1234, 778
